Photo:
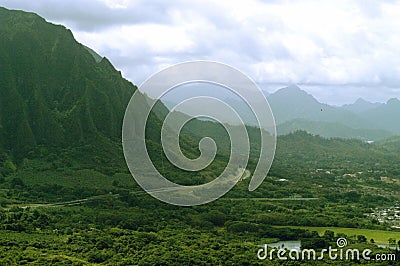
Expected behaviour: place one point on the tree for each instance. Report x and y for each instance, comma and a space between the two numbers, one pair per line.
392, 242
115, 183
8, 167
361, 239
17, 183
216, 217
329, 235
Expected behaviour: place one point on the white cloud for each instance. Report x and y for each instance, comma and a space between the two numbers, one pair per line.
353, 44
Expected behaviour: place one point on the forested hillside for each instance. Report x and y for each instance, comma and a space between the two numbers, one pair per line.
53, 92
67, 197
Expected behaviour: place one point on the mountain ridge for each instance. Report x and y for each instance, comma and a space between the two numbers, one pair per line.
295, 109
360, 105
53, 92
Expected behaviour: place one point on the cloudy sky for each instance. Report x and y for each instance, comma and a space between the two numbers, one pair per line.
336, 50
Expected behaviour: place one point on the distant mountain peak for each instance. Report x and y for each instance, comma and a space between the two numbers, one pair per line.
361, 105
293, 87
293, 95
292, 90
361, 101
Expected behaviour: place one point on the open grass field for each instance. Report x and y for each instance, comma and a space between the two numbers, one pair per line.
379, 236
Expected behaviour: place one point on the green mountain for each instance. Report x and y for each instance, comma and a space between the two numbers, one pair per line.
59, 94
62, 105
54, 92
293, 103
66, 197
332, 130
295, 109
360, 106
386, 115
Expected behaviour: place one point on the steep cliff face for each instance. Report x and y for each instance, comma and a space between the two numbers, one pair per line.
53, 91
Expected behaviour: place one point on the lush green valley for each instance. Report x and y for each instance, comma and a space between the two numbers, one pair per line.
67, 197
87, 214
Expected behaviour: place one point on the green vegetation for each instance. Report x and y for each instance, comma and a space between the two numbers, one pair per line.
66, 195
53, 92
332, 129
379, 236
81, 214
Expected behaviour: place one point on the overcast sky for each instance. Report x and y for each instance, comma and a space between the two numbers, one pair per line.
336, 50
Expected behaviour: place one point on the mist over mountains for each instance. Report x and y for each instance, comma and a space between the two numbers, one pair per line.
55, 91
360, 105
295, 109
